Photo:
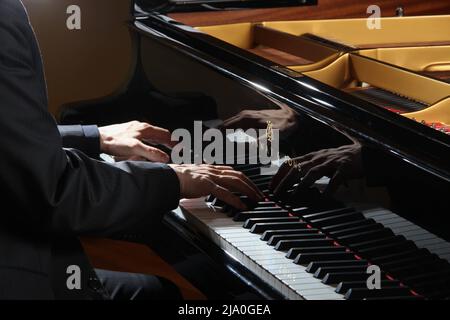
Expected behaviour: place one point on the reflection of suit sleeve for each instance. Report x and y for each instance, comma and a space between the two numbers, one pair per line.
84, 138
55, 189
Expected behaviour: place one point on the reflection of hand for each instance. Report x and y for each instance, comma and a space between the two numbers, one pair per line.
221, 181
126, 141
283, 119
340, 164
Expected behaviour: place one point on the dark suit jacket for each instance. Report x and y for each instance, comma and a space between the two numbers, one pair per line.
51, 195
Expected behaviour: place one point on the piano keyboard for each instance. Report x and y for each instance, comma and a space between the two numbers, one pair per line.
322, 252
409, 230
264, 261
293, 280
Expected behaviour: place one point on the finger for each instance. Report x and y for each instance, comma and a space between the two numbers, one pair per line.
313, 175
305, 167
129, 158
228, 197
236, 174
213, 166
279, 176
158, 135
151, 153
247, 180
243, 122
230, 122
306, 157
236, 184
292, 177
335, 182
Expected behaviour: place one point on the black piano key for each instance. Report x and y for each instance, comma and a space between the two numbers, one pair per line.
410, 260
245, 215
391, 258
346, 225
251, 222
261, 227
269, 233
250, 203
262, 185
266, 204
288, 244
306, 258
268, 193
377, 242
311, 197
362, 293
434, 289
425, 277
313, 266
343, 287
266, 208
390, 298
250, 170
261, 179
327, 214
251, 206
367, 235
346, 217
245, 166
294, 252
355, 230
417, 268
323, 271
338, 277
273, 241
302, 211
269, 209
440, 284
253, 176
386, 249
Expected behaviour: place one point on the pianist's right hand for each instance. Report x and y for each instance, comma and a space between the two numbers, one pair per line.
221, 181
340, 164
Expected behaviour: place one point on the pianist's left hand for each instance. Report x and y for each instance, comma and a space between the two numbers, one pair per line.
128, 141
340, 164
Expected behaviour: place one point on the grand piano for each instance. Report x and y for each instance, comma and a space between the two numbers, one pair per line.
318, 72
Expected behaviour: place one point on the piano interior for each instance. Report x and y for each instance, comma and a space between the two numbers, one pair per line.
396, 69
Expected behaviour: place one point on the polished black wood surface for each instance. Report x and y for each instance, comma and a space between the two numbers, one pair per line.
361, 119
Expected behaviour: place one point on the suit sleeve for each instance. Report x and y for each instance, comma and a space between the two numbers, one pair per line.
51, 189
83, 138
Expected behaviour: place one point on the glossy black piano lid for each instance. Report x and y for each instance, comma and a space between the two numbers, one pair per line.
334, 115
413, 142
164, 6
